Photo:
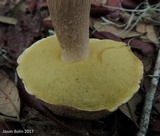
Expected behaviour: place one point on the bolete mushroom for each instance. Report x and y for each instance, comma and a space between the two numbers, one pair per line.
74, 76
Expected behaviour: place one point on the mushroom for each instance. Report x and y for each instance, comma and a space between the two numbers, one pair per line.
73, 75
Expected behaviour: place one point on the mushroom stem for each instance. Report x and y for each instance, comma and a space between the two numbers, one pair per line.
70, 19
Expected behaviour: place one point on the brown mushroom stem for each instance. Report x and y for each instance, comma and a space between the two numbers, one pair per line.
71, 22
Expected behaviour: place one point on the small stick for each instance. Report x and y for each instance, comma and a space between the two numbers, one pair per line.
145, 117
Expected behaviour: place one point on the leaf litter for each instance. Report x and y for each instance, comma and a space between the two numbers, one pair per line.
9, 97
106, 23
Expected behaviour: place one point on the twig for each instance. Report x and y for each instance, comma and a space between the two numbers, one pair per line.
149, 100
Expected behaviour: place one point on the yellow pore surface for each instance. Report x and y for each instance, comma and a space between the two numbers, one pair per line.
106, 79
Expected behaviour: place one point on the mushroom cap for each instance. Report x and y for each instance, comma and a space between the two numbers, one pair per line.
88, 89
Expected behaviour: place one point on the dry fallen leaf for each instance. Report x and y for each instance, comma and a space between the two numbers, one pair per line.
141, 28
146, 48
151, 35
23, 34
149, 30
9, 97
115, 30
105, 35
113, 3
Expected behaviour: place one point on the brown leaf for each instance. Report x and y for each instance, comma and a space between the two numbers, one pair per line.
146, 48
9, 97
141, 28
105, 35
113, 3
147, 29
113, 29
22, 35
151, 35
